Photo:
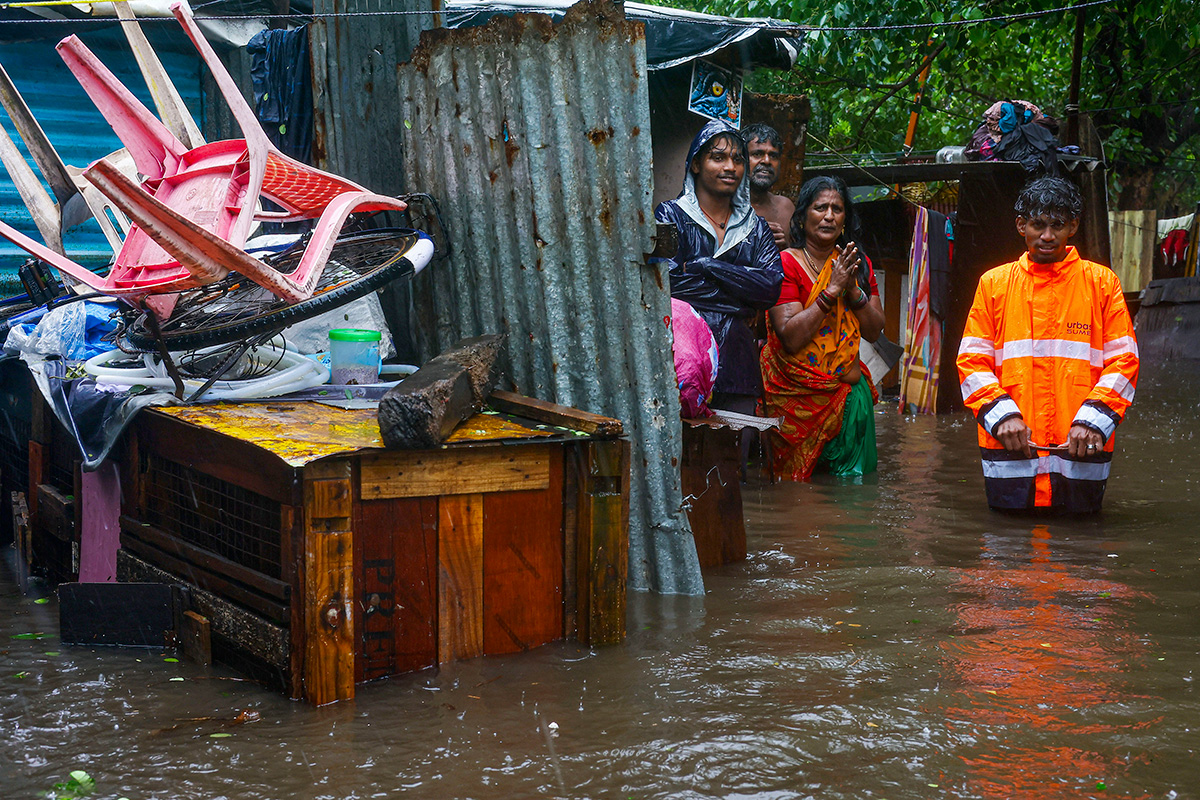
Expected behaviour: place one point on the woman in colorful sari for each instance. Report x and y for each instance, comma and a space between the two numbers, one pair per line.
812, 376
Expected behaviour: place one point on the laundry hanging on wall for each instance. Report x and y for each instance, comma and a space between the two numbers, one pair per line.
923, 342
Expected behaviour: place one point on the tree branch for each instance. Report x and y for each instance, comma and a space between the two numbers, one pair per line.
925, 62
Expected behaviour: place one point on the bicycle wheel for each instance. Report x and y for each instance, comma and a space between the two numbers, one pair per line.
235, 308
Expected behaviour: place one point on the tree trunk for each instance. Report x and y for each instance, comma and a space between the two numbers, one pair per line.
1137, 188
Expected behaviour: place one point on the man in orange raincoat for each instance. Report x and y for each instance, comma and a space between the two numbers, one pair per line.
1048, 363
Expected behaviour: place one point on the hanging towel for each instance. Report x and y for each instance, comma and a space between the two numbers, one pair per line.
923, 342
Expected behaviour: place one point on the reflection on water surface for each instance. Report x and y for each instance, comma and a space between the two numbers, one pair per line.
893, 639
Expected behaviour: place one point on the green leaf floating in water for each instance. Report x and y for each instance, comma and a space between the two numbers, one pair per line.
219, 735
31, 636
41, 601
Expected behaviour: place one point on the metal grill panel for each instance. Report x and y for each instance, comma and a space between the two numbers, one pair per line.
218, 516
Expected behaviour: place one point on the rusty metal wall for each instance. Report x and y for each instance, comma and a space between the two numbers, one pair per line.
358, 126
535, 139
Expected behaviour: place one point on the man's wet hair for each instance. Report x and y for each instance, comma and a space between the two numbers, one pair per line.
808, 195
1056, 198
763, 133
735, 141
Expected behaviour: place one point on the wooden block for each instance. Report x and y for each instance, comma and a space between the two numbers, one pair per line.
523, 566
480, 356
396, 570
603, 542
457, 470
554, 414
460, 577
423, 409
329, 618
195, 637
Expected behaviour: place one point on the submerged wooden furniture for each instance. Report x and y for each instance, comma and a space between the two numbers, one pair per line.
712, 490
711, 475
321, 560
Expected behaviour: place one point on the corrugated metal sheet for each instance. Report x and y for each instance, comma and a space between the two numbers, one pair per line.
358, 125
75, 127
535, 139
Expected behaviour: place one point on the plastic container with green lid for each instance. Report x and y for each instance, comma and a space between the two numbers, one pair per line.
354, 357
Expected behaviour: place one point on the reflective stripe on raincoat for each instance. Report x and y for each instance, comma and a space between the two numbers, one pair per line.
1054, 344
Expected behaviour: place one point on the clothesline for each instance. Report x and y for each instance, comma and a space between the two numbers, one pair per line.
796, 29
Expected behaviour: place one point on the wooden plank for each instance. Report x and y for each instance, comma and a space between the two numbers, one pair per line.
554, 414
195, 637
712, 491
56, 513
328, 591
572, 461
244, 629
37, 468
460, 577
455, 471
397, 569
291, 547
523, 566
330, 499
224, 457
604, 543
22, 538
216, 564
214, 582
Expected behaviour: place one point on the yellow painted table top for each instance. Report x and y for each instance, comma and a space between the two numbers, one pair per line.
300, 432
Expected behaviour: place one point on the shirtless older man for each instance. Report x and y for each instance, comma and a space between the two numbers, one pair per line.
765, 150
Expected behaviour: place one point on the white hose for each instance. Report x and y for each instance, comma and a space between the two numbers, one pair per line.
293, 373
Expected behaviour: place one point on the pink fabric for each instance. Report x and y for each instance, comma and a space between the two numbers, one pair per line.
101, 535
696, 359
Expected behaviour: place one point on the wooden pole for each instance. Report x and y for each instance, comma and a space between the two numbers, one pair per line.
1072, 109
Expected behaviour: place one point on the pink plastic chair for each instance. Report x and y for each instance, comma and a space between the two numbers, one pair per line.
195, 207
260, 169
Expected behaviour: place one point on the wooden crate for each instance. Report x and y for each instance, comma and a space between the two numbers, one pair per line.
319, 565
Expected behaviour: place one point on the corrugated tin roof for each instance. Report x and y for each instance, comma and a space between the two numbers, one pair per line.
75, 127
535, 139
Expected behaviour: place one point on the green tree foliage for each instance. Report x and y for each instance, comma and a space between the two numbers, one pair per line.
1140, 78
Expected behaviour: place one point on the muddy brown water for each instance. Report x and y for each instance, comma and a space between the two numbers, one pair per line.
887, 640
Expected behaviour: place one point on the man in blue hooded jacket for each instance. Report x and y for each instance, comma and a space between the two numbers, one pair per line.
727, 266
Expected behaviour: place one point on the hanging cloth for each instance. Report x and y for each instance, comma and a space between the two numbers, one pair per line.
923, 342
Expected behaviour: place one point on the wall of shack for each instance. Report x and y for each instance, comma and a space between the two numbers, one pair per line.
534, 138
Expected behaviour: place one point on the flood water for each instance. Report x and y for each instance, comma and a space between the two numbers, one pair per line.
888, 640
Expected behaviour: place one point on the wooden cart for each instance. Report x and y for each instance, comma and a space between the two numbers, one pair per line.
321, 560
